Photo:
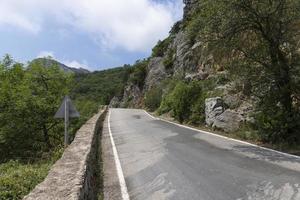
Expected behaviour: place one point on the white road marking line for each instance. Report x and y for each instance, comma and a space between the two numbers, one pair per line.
150, 115
224, 137
124, 191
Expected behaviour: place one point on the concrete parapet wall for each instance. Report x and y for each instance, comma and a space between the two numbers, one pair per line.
74, 175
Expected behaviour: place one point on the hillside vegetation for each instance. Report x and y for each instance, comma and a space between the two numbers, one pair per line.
31, 140
242, 56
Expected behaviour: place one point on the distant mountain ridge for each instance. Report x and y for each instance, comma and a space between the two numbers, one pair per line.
48, 62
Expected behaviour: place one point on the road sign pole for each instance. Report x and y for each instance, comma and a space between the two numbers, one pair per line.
66, 111
66, 123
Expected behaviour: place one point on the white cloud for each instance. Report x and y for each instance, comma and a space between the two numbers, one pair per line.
44, 54
134, 25
76, 64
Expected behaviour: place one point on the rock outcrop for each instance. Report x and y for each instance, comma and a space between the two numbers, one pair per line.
156, 72
219, 116
189, 7
115, 102
192, 60
213, 108
132, 97
228, 121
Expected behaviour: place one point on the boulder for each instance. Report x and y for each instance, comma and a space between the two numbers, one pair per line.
228, 121
213, 107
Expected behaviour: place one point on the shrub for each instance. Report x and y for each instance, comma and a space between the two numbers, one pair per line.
153, 98
181, 100
198, 110
139, 73
168, 60
176, 27
161, 47
277, 126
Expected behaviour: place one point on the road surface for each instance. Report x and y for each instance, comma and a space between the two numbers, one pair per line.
160, 160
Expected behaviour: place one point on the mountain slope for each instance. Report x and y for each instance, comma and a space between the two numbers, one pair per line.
217, 69
47, 62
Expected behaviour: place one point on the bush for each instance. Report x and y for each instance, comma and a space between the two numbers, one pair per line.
139, 73
198, 110
161, 47
153, 98
276, 126
168, 60
181, 100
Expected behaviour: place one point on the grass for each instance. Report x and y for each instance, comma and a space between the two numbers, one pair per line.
17, 179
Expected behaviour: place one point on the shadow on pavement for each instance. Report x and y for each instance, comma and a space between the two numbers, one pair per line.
266, 154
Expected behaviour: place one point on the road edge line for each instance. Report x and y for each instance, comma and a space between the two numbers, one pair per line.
122, 182
221, 136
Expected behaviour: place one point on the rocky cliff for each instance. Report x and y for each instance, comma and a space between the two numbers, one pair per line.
178, 57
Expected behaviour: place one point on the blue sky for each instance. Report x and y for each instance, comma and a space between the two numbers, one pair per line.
94, 34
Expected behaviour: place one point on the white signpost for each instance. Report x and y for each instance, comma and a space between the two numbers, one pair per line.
67, 110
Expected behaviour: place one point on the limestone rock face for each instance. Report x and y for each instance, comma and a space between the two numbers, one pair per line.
182, 47
132, 96
114, 103
156, 72
189, 7
213, 107
228, 121
196, 76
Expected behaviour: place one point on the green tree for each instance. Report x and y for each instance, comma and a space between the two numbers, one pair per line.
29, 98
262, 35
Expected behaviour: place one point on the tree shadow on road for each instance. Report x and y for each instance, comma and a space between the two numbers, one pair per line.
266, 154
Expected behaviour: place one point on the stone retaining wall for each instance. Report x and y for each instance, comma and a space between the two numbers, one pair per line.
74, 176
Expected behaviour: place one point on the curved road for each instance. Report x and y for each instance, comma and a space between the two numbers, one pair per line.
161, 160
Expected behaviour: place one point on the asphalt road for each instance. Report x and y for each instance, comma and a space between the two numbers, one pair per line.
163, 161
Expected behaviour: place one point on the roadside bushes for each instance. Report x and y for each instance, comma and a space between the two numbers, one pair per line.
153, 98
275, 125
186, 101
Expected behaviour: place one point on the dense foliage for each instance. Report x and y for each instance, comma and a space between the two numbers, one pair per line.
138, 73
31, 140
97, 88
161, 47
153, 98
259, 41
186, 100
29, 98
101, 86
